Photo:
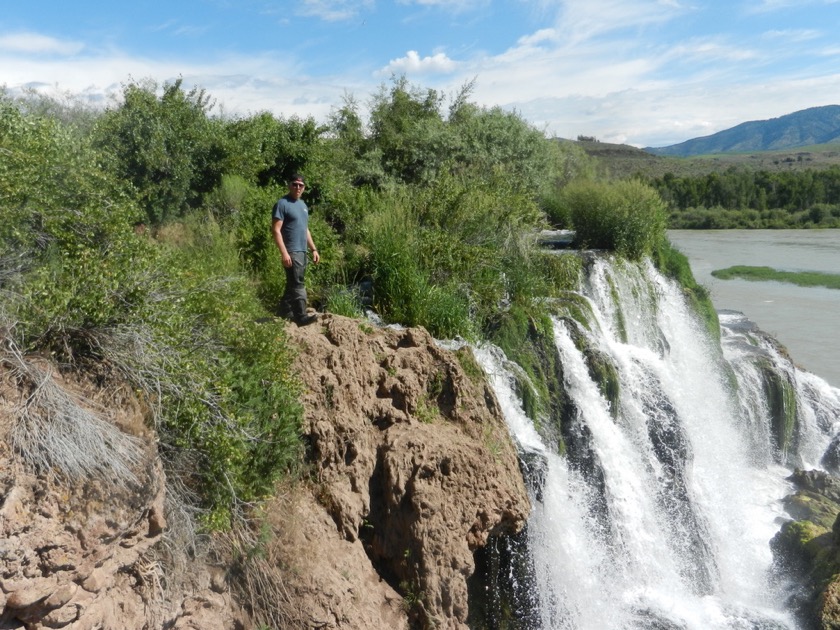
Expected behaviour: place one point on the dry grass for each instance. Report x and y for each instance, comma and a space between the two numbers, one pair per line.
261, 567
55, 430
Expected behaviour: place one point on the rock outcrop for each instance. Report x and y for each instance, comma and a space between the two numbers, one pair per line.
808, 547
413, 470
82, 497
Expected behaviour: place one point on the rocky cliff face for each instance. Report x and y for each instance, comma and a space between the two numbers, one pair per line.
410, 471
413, 470
82, 510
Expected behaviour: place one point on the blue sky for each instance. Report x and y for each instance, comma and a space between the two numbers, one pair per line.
642, 72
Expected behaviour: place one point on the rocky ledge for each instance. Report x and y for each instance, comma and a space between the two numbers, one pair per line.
413, 470
808, 547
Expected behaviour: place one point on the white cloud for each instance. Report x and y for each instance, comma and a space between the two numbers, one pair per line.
34, 43
453, 6
239, 84
334, 10
541, 36
585, 19
766, 6
412, 63
574, 73
172, 26
706, 49
792, 35
674, 113
831, 51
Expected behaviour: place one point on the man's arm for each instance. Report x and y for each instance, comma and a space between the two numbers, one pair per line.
276, 226
316, 257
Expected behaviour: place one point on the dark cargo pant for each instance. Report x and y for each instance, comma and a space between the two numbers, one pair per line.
293, 302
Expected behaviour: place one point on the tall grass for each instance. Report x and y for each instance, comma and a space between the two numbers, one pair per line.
403, 289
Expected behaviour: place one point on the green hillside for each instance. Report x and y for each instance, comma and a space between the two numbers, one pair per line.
621, 160
813, 126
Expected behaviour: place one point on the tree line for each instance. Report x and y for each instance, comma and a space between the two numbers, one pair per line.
743, 198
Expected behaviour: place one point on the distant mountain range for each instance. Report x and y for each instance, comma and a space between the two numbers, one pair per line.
816, 125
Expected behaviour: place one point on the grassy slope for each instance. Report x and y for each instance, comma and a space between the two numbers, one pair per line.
621, 160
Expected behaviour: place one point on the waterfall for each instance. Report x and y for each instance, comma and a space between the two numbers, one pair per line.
659, 512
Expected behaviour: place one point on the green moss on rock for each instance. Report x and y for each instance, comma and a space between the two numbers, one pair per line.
807, 547
781, 400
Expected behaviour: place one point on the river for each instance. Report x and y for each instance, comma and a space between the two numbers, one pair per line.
804, 320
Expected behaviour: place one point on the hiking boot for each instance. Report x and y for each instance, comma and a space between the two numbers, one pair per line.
306, 320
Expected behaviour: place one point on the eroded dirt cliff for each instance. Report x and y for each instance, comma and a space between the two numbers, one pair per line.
409, 470
82, 497
413, 469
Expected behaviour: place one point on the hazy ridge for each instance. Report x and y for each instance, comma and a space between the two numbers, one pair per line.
812, 126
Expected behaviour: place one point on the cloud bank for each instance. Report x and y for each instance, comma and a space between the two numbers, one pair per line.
644, 72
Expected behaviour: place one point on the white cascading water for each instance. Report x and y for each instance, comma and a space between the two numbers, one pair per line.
674, 533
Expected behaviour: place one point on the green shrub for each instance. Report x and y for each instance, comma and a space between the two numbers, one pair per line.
227, 391
400, 286
557, 210
627, 217
70, 226
176, 317
166, 146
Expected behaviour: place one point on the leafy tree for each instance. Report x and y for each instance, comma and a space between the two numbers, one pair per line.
166, 146
409, 132
266, 150
741, 191
70, 111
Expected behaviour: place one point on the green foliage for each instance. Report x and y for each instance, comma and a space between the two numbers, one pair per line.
761, 274
234, 397
437, 210
527, 342
575, 306
343, 301
266, 151
177, 317
403, 291
626, 217
251, 224
496, 141
70, 111
166, 146
450, 257
562, 271
410, 141
744, 198
71, 225
409, 132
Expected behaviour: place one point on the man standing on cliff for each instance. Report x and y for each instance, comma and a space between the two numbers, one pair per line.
290, 228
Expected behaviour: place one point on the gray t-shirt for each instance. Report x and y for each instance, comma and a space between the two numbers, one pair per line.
295, 218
